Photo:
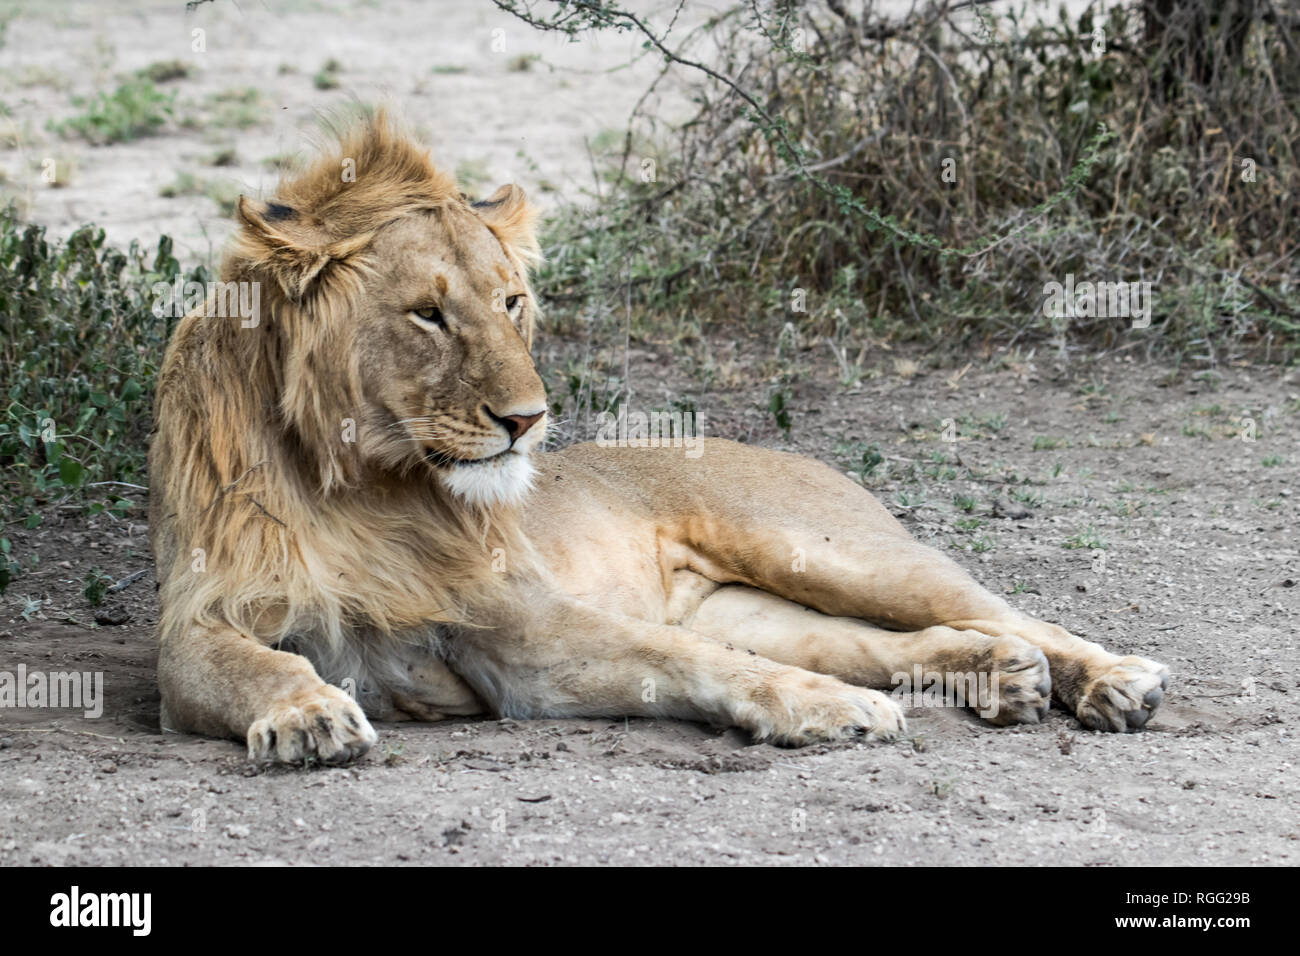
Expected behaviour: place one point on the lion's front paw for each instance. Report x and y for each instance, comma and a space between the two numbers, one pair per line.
1124, 696
818, 708
324, 724
1019, 689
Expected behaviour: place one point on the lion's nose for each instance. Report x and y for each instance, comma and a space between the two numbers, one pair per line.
516, 425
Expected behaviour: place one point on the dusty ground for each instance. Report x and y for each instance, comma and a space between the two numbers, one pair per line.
496, 100
1151, 526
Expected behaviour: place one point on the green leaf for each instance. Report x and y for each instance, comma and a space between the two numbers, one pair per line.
70, 472
97, 583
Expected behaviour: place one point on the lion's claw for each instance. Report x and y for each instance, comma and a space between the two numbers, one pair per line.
325, 724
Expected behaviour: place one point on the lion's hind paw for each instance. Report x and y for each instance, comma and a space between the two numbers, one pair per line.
1123, 697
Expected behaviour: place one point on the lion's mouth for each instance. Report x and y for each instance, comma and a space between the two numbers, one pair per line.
444, 459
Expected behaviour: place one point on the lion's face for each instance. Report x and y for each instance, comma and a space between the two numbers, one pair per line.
403, 311
443, 356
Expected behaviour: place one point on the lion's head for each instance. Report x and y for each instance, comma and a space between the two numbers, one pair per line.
402, 318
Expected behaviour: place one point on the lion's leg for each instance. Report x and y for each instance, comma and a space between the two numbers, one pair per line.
221, 683
555, 657
795, 528
1009, 675
901, 583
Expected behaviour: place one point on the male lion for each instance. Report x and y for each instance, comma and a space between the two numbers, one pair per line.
345, 488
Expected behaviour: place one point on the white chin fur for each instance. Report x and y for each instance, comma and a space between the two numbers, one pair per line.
501, 481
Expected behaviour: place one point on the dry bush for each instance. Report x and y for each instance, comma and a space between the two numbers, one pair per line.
815, 162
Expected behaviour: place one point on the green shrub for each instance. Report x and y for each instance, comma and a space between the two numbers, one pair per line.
79, 349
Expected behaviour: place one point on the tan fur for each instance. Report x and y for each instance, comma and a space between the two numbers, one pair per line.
346, 479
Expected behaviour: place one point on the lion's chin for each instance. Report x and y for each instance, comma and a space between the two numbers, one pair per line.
502, 480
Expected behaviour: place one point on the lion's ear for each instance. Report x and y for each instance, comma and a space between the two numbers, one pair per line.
279, 240
510, 215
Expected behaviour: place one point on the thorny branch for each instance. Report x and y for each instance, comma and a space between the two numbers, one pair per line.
574, 16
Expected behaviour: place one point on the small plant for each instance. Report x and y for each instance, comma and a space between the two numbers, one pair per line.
863, 459
1088, 539
7, 567
185, 184
1030, 499
97, 584
31, 607
136, 108
1272, 461
778, 405
966, 503
909, 499
869, 458
872, 458
164, 71
939, 468
227, 156
1047, 443
237, 108
327, 77
224, 193
982, 426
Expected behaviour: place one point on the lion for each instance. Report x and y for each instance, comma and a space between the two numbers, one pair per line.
352, 519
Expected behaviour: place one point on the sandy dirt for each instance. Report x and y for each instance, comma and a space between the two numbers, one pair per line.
496, 100
1186, 535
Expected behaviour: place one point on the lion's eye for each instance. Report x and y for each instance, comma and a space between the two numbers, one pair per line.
513, 301
430, 316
